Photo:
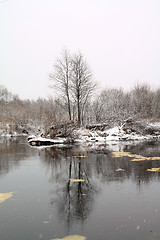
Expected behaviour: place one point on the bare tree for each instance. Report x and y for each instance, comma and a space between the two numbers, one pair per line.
142, 98
60, 78
82, 85
155, 103
71, 76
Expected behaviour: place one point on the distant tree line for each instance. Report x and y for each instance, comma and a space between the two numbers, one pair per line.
109, 106
116, 105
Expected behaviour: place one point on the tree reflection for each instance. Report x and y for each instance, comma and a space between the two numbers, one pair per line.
11, 152
74, 200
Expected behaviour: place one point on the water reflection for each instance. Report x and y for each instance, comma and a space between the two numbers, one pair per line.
122, 205
11, 152
74, 201
100, 163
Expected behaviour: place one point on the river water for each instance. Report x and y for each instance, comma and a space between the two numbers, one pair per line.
108, 205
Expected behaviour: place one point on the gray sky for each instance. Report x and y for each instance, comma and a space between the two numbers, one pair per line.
119, 38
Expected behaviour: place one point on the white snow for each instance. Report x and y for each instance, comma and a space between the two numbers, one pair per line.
41, 139
155, 124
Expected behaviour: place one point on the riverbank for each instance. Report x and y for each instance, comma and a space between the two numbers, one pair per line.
129, 130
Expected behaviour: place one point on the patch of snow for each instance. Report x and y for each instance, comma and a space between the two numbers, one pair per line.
155, 124
113, 131
43, 140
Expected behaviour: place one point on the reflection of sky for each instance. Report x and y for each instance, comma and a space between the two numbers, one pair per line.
120, 40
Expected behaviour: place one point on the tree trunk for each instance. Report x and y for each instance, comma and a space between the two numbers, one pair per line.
69, 107
79, 111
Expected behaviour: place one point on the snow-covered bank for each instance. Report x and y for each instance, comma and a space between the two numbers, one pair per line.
130, 130
85, 136
6, 131
113, 134
11, 135
9, 130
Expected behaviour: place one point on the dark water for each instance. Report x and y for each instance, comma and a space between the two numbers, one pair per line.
109, 205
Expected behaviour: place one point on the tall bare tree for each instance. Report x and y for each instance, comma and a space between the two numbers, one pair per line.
71, 76
60, 78
82, 85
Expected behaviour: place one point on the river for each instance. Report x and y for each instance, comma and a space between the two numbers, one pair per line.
47, 203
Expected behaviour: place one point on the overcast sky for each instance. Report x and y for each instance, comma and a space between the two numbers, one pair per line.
120, 40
